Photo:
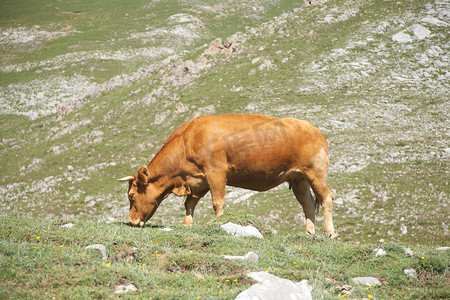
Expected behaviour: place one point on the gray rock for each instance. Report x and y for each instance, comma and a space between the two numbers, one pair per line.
239, 230
410, 273
402, 37
369, 281
123, 289
250, 257
99, 247
271, 287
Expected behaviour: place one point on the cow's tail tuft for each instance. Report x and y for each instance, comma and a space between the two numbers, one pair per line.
317, 206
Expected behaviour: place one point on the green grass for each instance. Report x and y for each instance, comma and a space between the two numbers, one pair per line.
40, 259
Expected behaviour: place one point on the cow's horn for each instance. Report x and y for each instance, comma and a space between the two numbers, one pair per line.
128, 178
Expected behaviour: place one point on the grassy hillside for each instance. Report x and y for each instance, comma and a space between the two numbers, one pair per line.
39, 259
90, 91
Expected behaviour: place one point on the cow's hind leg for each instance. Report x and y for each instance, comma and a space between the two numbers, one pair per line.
318, 181
302, 192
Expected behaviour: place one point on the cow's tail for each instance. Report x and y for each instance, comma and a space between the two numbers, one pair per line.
317, 206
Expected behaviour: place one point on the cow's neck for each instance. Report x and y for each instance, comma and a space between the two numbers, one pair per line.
165, 167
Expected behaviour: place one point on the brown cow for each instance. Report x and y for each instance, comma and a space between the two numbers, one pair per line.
254, 152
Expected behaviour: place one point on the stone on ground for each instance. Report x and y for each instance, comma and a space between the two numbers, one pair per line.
238, 230
271, 287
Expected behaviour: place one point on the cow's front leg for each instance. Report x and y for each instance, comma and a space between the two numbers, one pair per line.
189, 204
217, 183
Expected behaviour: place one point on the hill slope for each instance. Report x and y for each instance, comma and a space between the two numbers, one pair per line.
89, 92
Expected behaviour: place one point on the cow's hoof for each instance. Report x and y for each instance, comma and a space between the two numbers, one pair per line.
330, 235
188, 221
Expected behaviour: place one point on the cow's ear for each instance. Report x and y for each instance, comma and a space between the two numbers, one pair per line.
128, 178
143, 174
181, 190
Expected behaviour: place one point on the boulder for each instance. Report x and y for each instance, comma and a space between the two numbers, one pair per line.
238, 230
271, 287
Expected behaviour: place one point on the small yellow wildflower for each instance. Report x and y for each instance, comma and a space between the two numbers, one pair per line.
117, 251
150, 241
157, 243
294, 262
366, 288
108, 264
140, 267
128, 264
369, 296
142, 248
176, 275
118, 237
220, 292
228, 280
422, 257
235, 280
343, 295
38, 237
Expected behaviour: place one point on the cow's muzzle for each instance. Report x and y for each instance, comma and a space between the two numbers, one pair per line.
137, 223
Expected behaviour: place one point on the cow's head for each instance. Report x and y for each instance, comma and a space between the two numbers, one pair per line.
144, 197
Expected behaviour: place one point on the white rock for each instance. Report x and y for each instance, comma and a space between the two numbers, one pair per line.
68, 225
166, 229
99, 247
369, 281
402, 37
443, 248
239, 230
408, 252
435, 51
404, 229
70, 168
420, 32
434, 21
250, 257
271, 287
410, 273
380, 252
123, 289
